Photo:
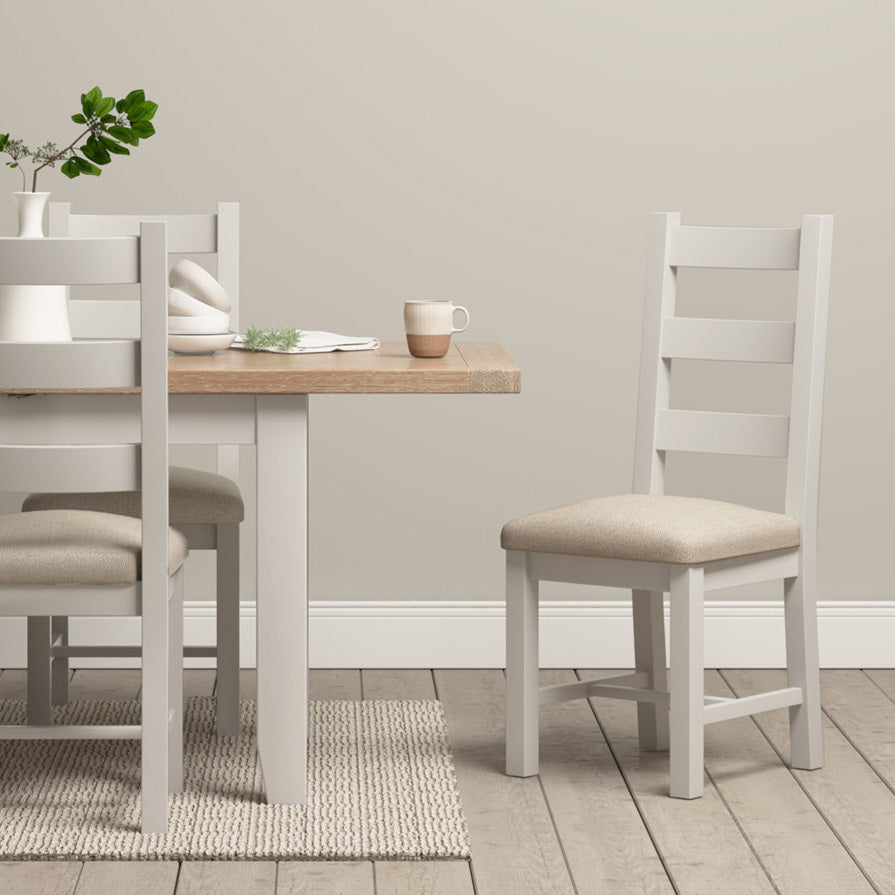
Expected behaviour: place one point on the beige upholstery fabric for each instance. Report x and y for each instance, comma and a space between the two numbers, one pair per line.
196, 497
58, 547
652, 528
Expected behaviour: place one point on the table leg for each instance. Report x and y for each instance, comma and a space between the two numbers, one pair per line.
282, 478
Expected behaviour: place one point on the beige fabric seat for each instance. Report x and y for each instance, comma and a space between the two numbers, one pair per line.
196, 498
652, 528
74, 547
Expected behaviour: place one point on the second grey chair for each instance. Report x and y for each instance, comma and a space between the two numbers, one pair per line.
654, 543
207, 507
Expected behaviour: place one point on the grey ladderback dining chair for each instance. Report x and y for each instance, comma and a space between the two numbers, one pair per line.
206, 506
61, 563
655, 543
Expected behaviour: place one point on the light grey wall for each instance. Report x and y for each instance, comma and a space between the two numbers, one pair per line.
504, 153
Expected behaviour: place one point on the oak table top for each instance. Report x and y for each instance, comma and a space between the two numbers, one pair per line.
467, 368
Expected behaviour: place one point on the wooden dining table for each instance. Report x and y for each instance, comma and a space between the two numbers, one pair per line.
238, 397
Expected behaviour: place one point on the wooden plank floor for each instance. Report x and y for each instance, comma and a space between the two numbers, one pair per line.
597, 819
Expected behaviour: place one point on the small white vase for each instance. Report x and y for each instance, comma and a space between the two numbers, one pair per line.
33, 313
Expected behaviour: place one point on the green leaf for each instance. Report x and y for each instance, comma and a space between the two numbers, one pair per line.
105, 105
113, 147
12, 164
81, 163
71, 169
89, 101
142, 111
142, 129
79, 119
4, 139
124, 134
108, 119
96, 152
135, 97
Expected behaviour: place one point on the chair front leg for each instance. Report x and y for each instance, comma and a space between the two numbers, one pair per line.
227, 688
60, 668
175, 682
523, 706
805, 720
40, 695
687, 729
649, 656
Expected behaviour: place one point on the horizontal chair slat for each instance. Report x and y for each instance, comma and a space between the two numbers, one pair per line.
104, 319
755, 341
69, 261
70, 732
750, 434
103, 467
194, 233
87, 364
754, 248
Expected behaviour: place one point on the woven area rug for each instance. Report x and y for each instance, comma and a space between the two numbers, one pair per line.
381, 784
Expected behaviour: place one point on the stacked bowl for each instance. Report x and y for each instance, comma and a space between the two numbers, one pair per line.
198, 311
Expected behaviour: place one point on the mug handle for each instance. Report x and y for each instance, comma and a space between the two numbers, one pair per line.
465, 325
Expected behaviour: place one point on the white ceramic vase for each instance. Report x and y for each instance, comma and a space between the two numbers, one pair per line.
33, 313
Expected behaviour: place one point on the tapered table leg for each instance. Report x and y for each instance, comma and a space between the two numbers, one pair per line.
282, 526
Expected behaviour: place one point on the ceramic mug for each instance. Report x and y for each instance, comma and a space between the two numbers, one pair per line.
429, 326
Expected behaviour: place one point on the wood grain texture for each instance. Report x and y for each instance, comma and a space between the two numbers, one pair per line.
325, 878
39, 877
391, 683
334, 683
514, 843
117, 877
104, 683
699, 841
849, 793
198, 681
490, 369
605, 842
423, 878
797, 848
227, 878
390, 369
860, 704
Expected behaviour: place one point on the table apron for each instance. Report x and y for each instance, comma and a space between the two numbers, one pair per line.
84, 419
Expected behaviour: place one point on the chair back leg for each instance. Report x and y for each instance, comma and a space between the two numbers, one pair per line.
60, 668
649, 656
687, 683
227, 687
805, 720
40, 695
523, 699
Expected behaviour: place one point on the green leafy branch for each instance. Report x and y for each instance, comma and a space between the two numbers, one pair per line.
109, 125
284, 339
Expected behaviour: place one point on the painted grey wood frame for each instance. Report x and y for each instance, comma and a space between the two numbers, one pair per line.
194, 234
54, 463
677, 714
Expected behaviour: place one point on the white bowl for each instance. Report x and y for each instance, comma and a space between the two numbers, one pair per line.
182, 305
207, 324
199, 283
200, 344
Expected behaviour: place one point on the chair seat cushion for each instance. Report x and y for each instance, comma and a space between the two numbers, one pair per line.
76, 547
196, 498
652, 528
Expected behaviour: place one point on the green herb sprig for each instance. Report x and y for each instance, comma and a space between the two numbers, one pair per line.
108, 125
284, 339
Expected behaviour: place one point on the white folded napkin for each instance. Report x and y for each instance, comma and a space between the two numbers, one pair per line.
317, 342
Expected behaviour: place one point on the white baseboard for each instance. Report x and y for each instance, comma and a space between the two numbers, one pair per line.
457, 634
